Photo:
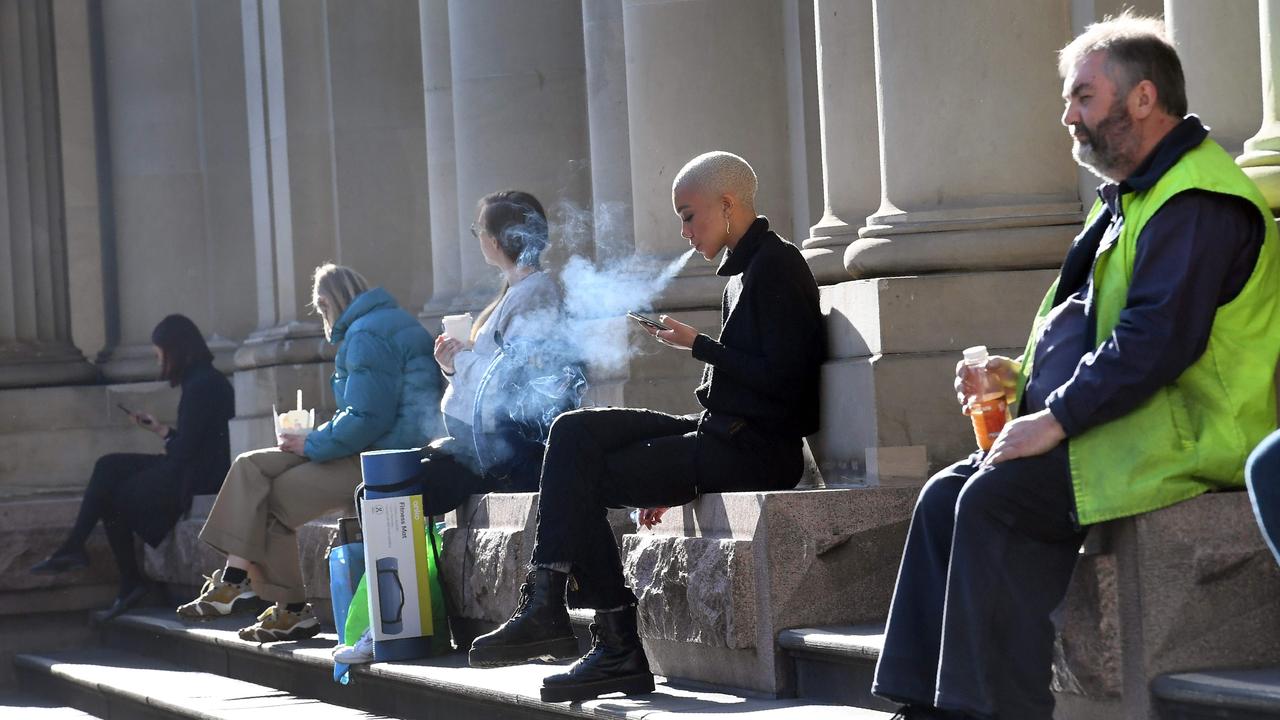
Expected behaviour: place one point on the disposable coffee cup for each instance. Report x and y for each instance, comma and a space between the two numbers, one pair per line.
457, 327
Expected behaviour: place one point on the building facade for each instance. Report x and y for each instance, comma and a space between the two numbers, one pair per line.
203, 156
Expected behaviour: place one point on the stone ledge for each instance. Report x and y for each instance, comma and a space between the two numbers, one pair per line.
30, 530
850, 642
434, 686
720, 578
488, 544
1190, 587
1252, 693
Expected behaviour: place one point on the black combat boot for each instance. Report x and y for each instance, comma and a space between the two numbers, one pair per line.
538, 630
615, 663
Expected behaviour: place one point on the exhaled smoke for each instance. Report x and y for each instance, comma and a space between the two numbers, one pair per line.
602, 280
598, 295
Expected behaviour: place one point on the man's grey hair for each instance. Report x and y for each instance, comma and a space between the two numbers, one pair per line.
719, 172
1137, 48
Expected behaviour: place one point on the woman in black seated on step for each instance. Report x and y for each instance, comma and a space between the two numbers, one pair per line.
133, 493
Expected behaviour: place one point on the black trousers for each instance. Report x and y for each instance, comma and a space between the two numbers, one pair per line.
617, 457
106, 498
988, 558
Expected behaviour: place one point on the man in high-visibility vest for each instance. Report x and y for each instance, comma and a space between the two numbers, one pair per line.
1147, 379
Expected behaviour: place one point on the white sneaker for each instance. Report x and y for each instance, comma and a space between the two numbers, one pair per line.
361, 652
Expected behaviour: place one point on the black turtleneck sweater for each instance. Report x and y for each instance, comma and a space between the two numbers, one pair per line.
765, 366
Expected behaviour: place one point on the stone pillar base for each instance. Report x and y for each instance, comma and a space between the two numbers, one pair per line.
271, 366
981, 239
24, 364
893, 347
137, 363
723, 575
825, 249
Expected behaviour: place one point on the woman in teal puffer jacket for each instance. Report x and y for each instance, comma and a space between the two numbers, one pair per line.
386, 387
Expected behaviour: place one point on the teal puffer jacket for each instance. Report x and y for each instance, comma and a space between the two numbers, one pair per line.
386, 382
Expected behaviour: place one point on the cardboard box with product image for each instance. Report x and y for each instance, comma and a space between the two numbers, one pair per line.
395, 556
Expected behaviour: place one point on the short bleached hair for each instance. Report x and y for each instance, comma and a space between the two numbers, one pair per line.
719, 172
1138, 48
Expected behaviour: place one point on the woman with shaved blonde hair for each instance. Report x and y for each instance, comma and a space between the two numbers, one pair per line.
385, 383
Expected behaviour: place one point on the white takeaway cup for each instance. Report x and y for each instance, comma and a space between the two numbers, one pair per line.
457, 327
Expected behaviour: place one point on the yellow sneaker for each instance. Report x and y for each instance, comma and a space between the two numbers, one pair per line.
217, 598
276, 624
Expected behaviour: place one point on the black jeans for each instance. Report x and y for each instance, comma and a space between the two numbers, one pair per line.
988, 558
103, 500
617, 457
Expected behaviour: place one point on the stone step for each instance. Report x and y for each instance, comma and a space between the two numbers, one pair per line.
432, 688
30, 707
836, 664
1219, 694
112, 684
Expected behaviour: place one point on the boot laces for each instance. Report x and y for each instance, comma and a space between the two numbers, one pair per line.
596, 644
526, 596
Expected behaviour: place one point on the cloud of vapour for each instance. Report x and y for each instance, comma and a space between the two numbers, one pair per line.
601, 278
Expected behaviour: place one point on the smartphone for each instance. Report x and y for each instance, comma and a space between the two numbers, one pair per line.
647, 321
144, 421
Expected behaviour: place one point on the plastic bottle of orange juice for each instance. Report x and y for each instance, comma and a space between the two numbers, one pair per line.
987, 408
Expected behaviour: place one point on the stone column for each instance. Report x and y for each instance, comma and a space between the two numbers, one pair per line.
606, 73
804, 123
81, 195
177, 176
850, 132
979, 202
35, 332
519, 107
338, 172
442, 172
970, 179
1261, 158
684, 99
1220, 59
292, 205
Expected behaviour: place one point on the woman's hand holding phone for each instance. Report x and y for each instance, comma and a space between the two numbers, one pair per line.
147, 422
680, 336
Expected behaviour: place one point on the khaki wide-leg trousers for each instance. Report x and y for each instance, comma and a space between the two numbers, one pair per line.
267, 496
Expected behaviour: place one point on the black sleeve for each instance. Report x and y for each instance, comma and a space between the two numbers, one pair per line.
1195, 254
787, 319
195, 422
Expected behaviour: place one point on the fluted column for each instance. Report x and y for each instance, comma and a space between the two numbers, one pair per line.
975, 173
1261, 158
442, 168
606, 75
1216, 43
519, 107
337, 150
177, 180
35, 333
850, 132
684, 99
